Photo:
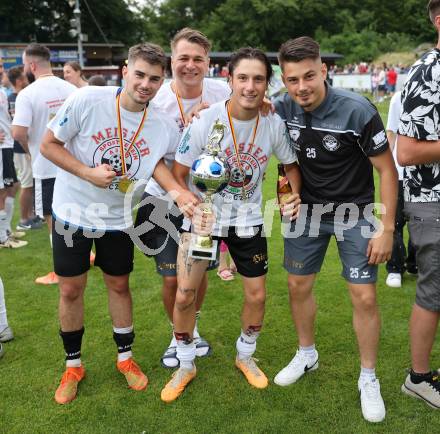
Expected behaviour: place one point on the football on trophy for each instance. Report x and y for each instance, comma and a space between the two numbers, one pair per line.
210, 173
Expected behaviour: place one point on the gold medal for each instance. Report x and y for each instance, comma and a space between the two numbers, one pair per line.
124, 185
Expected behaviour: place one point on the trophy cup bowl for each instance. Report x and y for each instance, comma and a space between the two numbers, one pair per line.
210, 174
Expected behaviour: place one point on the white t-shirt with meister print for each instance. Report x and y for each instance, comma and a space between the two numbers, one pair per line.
87, 123
271, 138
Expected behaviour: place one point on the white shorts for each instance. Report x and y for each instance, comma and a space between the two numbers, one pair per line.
23, 166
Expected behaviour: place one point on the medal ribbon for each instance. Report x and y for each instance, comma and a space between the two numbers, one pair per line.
234, 139
179, 101
124, 152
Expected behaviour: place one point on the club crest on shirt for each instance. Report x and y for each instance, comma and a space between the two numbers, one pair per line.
330, 143
251, 174
108, 152
294, 134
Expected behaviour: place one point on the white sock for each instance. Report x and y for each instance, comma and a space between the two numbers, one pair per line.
196, 333
3, 316
246, 345
3, 226
9, 208
75, 363
367, 374
186, 353
309, 351
122, 330
173, 342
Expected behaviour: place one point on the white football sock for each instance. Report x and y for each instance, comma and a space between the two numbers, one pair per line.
74, 363
246, 344
367, 374
196, 333
3, 316
9, 208
3, 226
186, 353
309, 351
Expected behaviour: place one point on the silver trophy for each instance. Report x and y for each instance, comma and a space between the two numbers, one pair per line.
210, 174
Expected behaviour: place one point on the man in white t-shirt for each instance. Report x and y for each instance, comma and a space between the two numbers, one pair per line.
249, 141
102, 140
7, 178
187, 93
401, 259
35, 106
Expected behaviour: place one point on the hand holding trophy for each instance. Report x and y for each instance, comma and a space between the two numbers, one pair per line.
210, 174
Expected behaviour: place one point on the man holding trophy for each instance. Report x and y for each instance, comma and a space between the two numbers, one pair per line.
238, 143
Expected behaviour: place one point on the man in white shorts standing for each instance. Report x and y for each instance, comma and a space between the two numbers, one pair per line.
187, 93
102, 140
35, 106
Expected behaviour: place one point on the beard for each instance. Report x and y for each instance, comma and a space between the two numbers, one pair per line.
30, 77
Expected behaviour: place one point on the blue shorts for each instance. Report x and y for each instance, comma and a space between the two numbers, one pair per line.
305, 248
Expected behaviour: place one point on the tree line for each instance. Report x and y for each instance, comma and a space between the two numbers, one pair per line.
358, 30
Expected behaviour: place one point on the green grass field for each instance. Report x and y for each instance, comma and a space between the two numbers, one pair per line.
219, 400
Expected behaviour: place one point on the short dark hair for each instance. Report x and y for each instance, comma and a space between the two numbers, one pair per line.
433, 9
97, 80
193, 36
74, 65
296, 50
38, 50
150, 53
252, 54
14, 74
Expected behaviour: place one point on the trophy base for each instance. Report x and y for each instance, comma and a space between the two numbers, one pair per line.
200, 252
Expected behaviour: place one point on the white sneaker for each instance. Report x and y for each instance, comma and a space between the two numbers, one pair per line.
373, 407
428, 390
169, 358
203, 348
12, 243
6, 334
298, 366
394, 280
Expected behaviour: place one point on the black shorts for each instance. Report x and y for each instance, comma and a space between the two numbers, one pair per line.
7, 169
249, 252
43, 189
71, 251
160, 236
